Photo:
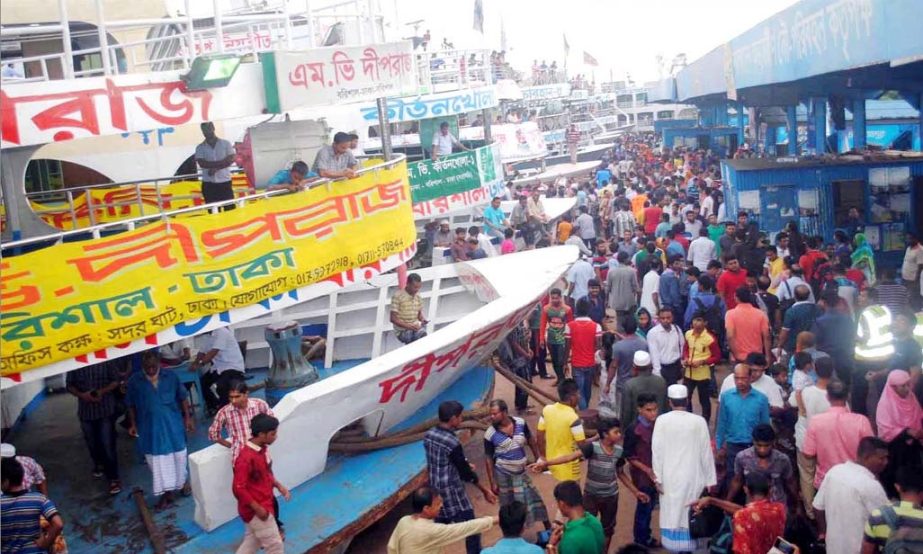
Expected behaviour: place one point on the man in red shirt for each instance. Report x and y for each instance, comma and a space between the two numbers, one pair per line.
652, 215
731, 279
811, 260
253, 485
756, 525
583, 338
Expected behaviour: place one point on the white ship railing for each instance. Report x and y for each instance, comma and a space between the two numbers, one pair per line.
97, 230
180, 39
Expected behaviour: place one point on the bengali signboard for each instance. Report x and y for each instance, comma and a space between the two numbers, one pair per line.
435, 105
546, 92
337, 75
73, 299
454, 174
55, 111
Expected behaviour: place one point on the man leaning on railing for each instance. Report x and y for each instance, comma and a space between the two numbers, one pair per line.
293, 179
336, 161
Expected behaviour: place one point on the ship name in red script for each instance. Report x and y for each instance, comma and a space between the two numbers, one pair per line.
415, 374
163, 104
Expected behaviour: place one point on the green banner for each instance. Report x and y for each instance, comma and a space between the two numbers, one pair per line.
447, 175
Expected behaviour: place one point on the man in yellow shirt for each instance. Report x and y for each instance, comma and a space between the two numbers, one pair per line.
560, 431
565, 227
775, 266
701, 351
420, 534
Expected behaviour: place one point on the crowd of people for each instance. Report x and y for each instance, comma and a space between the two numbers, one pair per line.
799, 445
807, 445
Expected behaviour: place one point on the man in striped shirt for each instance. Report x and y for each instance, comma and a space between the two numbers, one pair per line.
21, 512
901, 521
235, 418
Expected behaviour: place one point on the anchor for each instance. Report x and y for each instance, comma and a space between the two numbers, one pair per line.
290, 370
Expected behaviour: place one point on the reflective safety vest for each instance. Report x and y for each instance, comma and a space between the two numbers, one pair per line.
874, 340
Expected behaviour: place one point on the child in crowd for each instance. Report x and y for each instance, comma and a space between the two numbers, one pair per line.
605, 467
507, 246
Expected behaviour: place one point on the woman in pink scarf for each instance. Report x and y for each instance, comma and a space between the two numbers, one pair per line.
900, 422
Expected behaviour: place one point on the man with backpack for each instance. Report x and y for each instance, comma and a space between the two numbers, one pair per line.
898, 527
710, 305
811, 262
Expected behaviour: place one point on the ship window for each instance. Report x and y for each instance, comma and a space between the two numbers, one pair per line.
666, 114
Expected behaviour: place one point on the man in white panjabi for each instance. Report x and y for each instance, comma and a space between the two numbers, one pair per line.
684, 466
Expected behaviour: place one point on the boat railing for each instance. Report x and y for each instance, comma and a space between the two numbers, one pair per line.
461, 68
177, 41
159, 211
184, 38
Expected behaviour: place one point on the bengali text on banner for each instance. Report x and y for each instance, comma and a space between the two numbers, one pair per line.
454, 173
122, 202
71, 299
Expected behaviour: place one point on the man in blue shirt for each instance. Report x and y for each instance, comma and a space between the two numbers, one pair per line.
741, 410
512, 520
291, 179
671, 288
495, 221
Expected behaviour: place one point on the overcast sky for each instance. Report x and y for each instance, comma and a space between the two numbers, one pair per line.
624, 36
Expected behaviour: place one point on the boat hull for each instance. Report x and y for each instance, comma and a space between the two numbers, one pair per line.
389, 388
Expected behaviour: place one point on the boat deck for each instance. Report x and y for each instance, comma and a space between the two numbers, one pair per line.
555, 172
351, 486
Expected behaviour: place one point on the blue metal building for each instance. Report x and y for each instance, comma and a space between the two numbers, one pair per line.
818, 194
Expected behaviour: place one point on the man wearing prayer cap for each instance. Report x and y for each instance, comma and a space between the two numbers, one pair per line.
33, 474
677, 392
683, 463
443, 236
642, 381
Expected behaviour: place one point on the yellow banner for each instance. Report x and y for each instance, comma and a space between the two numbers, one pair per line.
173, 196
74, 298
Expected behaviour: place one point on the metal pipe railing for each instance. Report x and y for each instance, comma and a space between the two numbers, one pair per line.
214, 207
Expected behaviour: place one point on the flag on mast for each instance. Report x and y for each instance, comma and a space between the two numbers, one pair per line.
589, 60
502, 35
479, 16
566, 47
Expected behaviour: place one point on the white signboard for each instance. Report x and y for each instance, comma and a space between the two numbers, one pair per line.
517, 140
337, 75
55, 111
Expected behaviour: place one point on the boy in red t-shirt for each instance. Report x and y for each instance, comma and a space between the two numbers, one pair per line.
253, 485
732, 278
583, 337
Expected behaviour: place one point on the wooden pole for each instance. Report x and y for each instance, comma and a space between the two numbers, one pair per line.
156, 536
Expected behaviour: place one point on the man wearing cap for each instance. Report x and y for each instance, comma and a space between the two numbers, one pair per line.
335, 161
443, 141
644, 381
33, 474
443, 237
684, 467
